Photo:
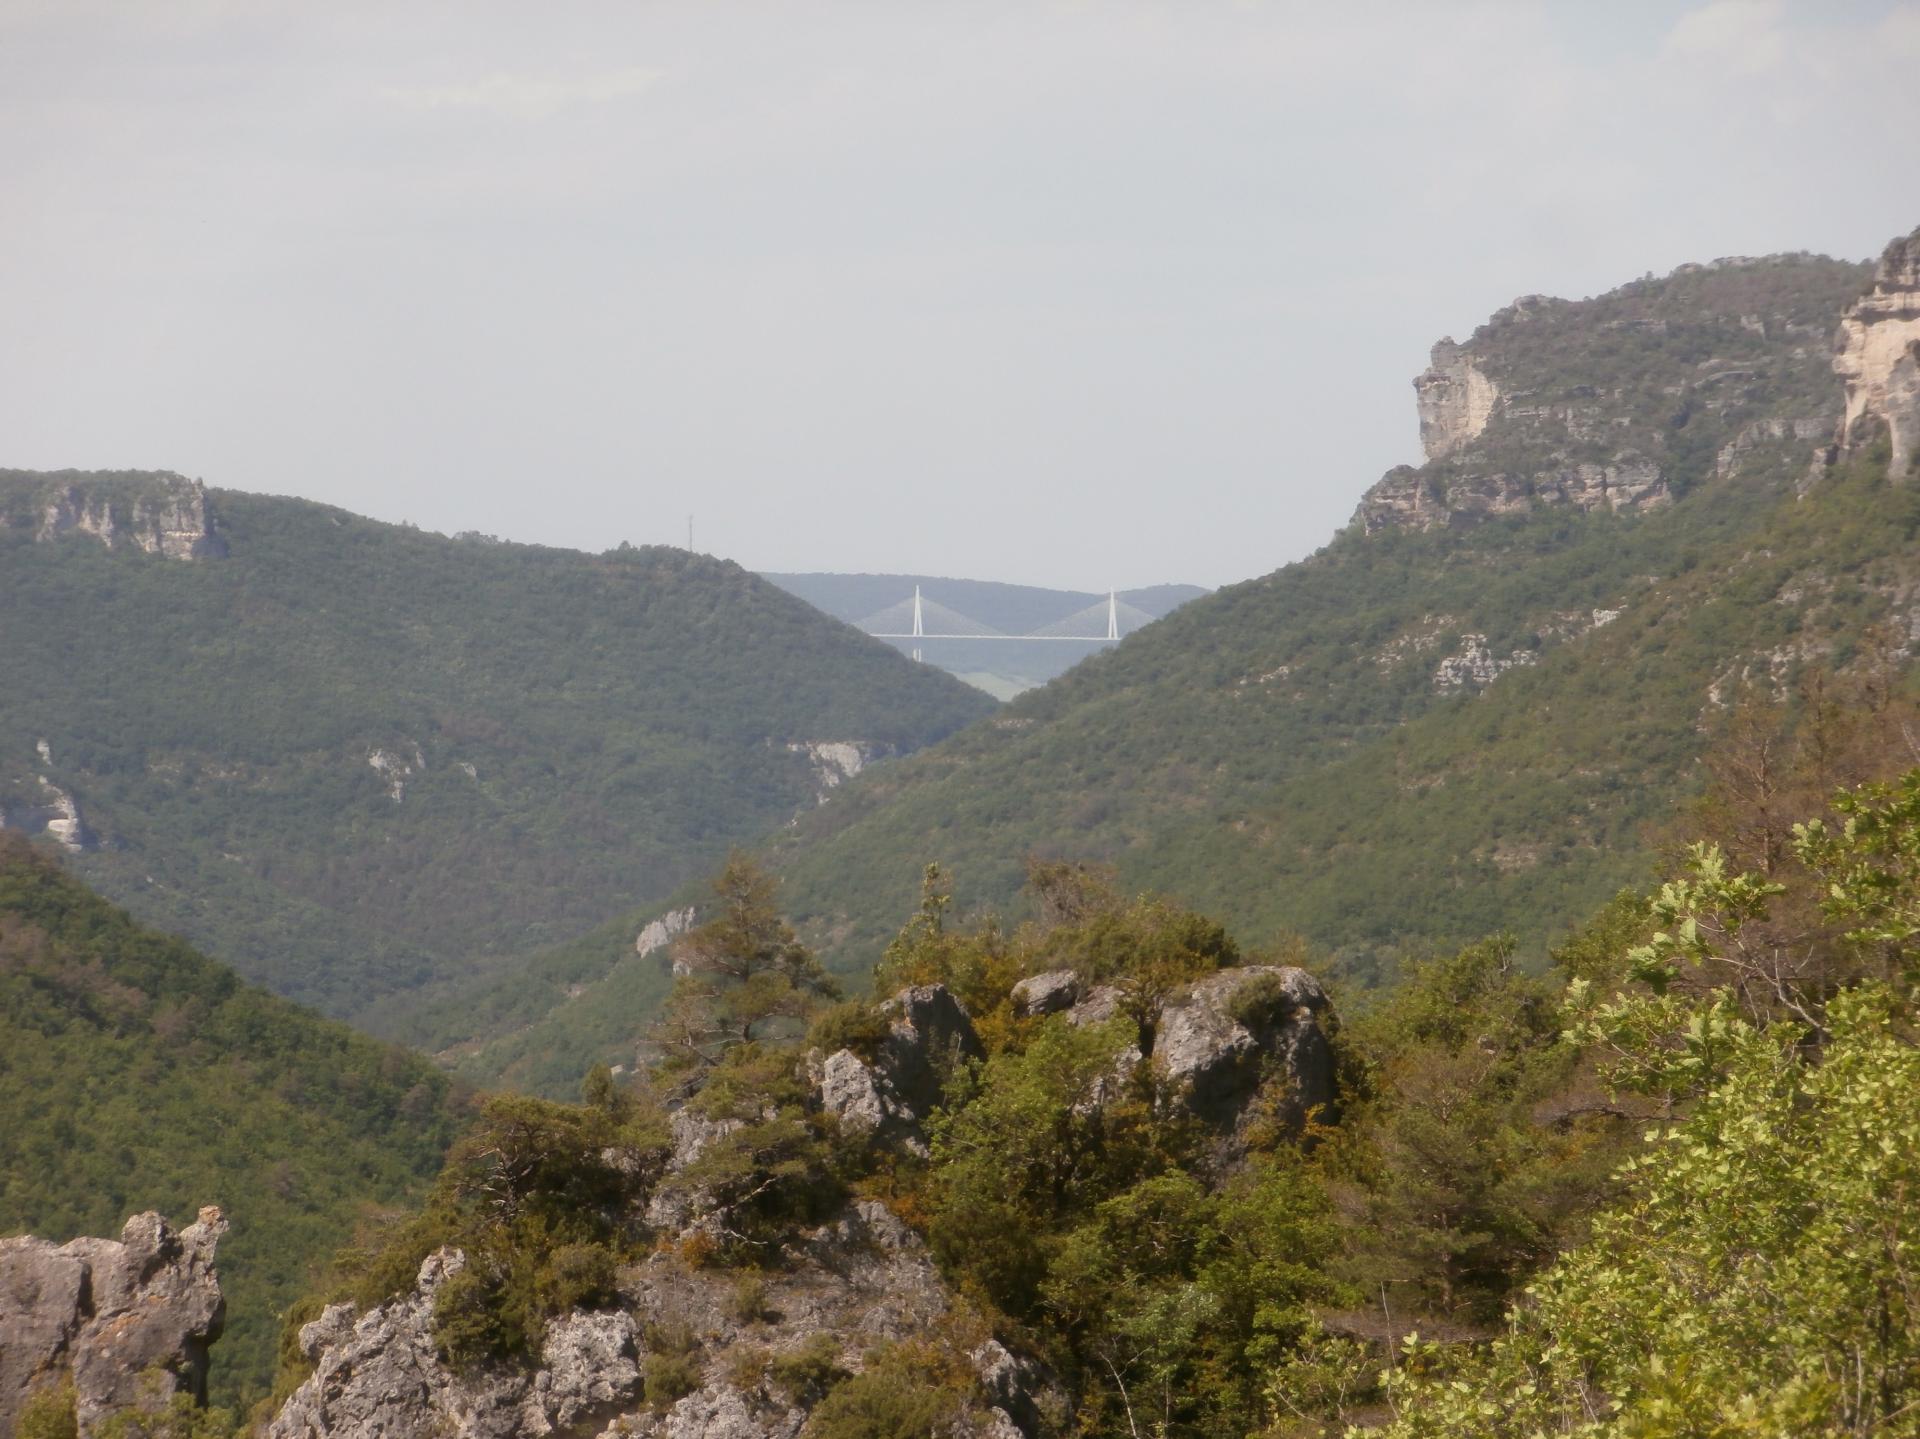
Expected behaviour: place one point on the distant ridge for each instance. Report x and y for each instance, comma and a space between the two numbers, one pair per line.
361, 761
982, 611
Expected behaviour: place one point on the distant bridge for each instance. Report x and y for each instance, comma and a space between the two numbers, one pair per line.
950, 624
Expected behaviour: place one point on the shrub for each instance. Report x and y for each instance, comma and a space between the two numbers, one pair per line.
850, 1025
884, 1404
469, 1325
578, 1276
809, 1372
750, 1304
669, 1377
1259, 1000
49, 1413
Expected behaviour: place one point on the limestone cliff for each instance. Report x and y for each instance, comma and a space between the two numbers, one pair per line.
1455, 400
159, 515
1617, 404
129, 1321
1877, 355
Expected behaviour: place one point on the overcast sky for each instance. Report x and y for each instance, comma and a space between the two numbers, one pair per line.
1064, 293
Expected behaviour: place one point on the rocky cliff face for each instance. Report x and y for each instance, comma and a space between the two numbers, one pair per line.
159, 515
1618, 404
1878, 358
128, 1320
1455, 399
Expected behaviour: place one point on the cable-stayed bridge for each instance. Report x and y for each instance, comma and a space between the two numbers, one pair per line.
921, 618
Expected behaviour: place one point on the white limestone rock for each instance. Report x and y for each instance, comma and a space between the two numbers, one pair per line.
131, 1320
1878, 358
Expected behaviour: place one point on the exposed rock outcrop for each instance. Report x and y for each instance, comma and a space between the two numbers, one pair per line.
864, 1279
1878, 357
1617, 403
1476, 666
1407, 498
890, 1097
129, 1320
164, 516
378, 1373
1048, 993
658, 933
1242, 1048
1455, 399
53, 812
834, 761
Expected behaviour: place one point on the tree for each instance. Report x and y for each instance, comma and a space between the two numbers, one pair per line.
1759, 1276
741, 970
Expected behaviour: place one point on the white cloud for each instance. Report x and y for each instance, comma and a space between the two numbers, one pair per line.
528, 97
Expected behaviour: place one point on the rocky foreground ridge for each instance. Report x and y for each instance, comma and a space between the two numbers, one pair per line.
128, 1321
1239, 1048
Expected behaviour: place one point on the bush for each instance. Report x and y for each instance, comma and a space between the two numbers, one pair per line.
850, 1025
669, 1377
750, 1304
49, 1413
578, 1276
883, 1404
1258, 1001
469, 1323
809, 1372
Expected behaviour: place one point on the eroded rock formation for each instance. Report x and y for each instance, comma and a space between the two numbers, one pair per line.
1592, 405
128, 1320
862, 1280
1878, 357
1242, 1049
1455, 399
890, 1097
167, 516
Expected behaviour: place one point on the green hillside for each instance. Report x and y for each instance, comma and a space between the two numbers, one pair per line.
136, 1074
356, 760
1459, 715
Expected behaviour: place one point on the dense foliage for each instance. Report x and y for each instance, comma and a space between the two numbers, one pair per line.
564, 736
1758, 1275
135, 1074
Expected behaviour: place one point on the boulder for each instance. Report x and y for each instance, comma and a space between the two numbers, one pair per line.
890, 1097
1048, 993
130, 1320
1233, 1034
378, 1373
1236, 1036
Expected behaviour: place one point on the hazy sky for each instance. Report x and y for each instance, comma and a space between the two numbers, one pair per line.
1067, 293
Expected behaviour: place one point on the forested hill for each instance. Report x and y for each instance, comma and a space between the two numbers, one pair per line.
136, 1074
1459, 716
354, 759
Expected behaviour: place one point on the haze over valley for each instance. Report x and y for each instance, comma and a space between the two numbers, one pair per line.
968, 821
